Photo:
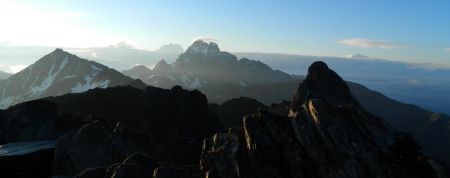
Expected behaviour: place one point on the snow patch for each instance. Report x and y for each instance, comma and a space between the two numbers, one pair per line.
202, 49
89, 84
51, 76
94, 67
6, 102
68, 77
196, 84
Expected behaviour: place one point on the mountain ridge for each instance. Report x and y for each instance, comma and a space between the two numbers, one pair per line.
325, 128
58, 73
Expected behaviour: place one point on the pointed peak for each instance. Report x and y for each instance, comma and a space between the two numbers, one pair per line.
162, 61
205, 48
140, 67
318, 69
60, 53
325, 84
162, 66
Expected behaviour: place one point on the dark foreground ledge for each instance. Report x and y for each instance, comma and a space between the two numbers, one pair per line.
27, 159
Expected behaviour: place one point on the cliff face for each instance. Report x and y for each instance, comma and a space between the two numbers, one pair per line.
326, 133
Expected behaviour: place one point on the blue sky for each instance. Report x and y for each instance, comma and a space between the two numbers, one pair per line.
414, 31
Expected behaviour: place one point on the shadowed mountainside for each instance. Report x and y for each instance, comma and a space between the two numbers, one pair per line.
327, 133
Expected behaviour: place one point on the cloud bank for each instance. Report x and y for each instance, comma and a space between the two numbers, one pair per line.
366, 43
12, 68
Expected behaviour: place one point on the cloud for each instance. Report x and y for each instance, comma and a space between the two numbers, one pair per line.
447, 49
357, 56
413, 82
12, 68
17, 68
205, 39
365, 43
123, 44
55, 27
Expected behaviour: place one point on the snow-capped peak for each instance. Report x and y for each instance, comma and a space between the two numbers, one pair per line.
204, 48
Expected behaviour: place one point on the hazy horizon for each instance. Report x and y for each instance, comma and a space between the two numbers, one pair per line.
412, 31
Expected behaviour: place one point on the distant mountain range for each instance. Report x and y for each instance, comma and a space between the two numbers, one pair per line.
171, 49
221, 77
204, 67
56, 74
121, 56
424, 85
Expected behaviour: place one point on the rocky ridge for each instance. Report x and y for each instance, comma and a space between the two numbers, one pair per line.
325, 134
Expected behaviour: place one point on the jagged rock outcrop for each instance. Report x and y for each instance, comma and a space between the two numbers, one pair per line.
326, 134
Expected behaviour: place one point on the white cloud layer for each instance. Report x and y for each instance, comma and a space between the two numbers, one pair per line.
12, 68
23, 25
366, 43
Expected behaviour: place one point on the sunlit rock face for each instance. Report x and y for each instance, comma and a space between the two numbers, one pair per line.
326, 133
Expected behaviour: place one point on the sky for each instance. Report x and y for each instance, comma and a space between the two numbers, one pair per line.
406, 30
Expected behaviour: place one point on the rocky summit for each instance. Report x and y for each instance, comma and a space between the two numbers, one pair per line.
326, 133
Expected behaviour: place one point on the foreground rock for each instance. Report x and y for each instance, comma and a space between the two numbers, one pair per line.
102, 128
326, 134
27, 159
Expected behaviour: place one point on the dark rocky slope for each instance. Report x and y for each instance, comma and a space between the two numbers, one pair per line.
431, 129
105, 127
230, 112
327, 133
